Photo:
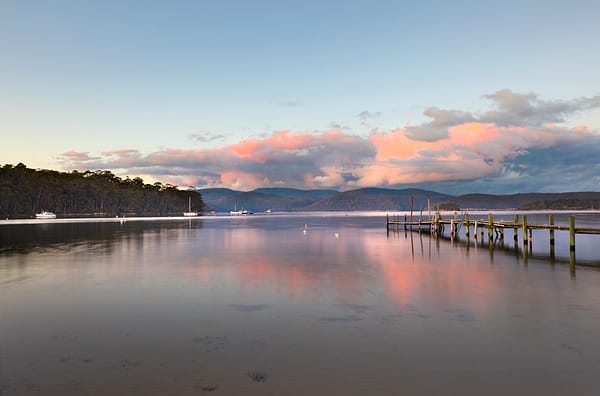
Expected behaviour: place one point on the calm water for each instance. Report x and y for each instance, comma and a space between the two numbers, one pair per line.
257, 306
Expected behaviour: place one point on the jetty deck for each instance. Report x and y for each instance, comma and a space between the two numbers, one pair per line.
437, 225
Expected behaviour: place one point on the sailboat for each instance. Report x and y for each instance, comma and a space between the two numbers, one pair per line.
236, 212
189, 213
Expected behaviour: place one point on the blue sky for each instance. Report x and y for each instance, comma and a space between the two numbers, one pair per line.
171, 91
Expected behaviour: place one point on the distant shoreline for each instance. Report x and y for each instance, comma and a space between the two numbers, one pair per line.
226, 216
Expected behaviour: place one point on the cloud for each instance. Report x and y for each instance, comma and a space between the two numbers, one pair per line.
511, 142
438, 127
335, 125
291, 103
508, 109
73, 155
283, 158
206, 136
365, 115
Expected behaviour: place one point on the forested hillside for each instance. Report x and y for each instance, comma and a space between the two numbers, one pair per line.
563, 204
381, 199
529, 201
25, 191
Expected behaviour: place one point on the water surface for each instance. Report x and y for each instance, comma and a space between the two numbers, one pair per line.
289, 305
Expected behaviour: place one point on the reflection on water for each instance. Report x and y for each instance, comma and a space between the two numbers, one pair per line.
258, 306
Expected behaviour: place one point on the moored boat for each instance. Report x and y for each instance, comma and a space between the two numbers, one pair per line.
189, 213
45, 215
237, 212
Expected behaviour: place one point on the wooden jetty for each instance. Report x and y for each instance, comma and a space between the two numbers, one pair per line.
436, 226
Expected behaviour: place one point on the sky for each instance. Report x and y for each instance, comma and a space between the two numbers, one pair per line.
453, 96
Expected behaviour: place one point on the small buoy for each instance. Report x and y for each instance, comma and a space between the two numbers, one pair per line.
304, 232
337, 235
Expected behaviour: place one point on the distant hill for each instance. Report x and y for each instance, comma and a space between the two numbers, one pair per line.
290, 200
526, 201
562, 204
259, 200
296, 193
379, 199
287, 199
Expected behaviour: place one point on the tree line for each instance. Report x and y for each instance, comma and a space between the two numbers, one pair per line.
25, 191
563, 204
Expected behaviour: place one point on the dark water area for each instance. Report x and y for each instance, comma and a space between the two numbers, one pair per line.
292, 305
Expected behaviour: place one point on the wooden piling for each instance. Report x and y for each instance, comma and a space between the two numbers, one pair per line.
551, 223
412, 201
516, 230
572, 233
467, 225
572, 245
525, 250
524, 229
490, 228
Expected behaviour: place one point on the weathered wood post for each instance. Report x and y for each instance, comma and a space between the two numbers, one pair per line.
412, 202
572, 242
467, 226
516, 230
387, 224
525, 250
405, 222
490, 228
551, 221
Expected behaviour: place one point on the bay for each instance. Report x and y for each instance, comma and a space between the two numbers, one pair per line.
319, 304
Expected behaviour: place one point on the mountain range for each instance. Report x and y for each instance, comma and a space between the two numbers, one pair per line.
290, 199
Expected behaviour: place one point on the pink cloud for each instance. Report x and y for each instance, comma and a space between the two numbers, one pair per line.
76, 155
284, 140
462, 146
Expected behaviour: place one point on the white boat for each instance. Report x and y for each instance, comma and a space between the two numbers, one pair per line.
189, 213
268, 211
45, 215
236, 212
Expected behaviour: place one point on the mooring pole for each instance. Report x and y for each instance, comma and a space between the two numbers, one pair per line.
572, 245
387, 224
572, 236
551, 221
525, 250
516, 230
429, 207
467, 226
490, 228
412, 201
